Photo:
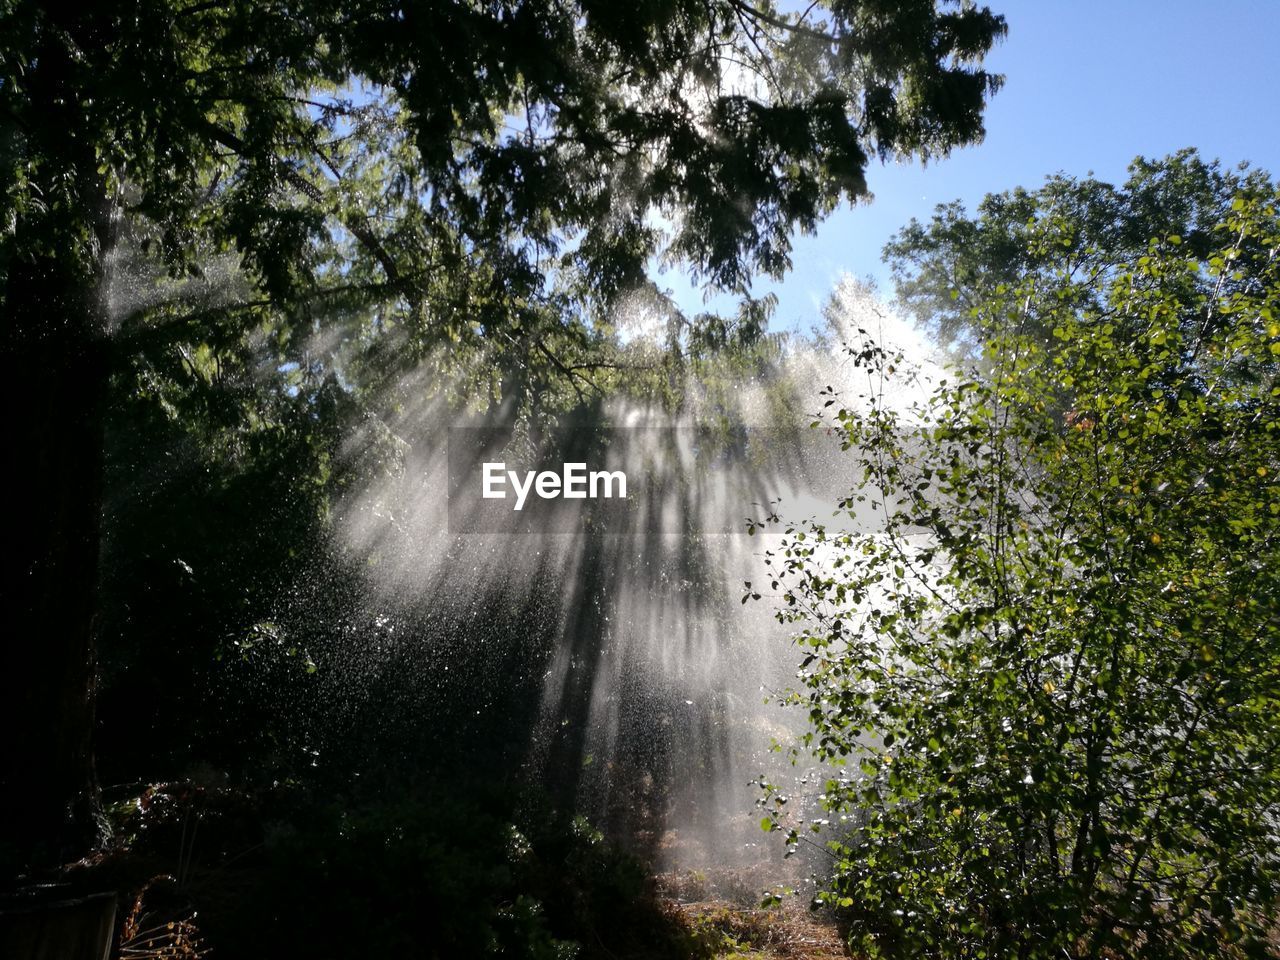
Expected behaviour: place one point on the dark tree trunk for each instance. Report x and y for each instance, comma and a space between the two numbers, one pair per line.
53, 370
53, 379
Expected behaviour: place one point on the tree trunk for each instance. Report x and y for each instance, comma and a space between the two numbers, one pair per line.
53, 367
53, 380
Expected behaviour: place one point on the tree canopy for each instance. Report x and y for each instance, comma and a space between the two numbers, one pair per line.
1044, 660
1070, 235
496, 136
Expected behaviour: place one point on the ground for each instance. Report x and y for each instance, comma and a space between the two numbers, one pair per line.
722, 911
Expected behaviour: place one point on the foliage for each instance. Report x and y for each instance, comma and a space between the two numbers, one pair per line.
471, 175
1045, 664
1071, 235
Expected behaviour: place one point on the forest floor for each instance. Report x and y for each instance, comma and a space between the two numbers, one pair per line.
723, 913
218, 870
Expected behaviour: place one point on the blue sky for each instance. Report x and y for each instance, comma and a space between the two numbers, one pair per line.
1089, 85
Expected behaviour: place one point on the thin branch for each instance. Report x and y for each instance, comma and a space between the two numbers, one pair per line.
358, 226
798, 28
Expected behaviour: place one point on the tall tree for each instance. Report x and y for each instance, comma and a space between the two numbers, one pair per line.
1044, 658
475, 174
1067, 231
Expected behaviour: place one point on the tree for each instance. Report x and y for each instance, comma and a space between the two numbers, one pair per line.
946, 269
1045, 671
478, 177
